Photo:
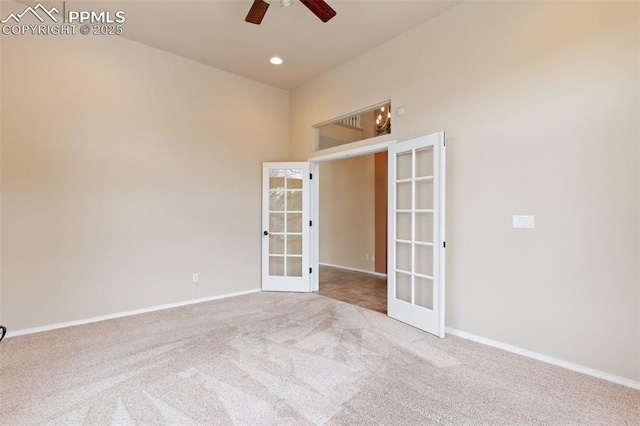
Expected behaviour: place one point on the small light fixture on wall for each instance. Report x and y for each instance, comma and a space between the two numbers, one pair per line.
383, 121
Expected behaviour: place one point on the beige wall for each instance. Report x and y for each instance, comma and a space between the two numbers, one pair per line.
540, 103
126, 169
347, 227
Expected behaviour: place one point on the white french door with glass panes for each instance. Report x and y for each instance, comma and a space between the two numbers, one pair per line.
285, 227
415, 283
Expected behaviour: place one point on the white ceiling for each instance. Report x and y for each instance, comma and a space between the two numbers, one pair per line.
214, 32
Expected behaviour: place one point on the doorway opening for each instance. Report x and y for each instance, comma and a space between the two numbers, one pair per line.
415, 227
353, 230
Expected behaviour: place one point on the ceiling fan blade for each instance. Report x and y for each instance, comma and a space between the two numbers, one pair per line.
257, 12
320, 8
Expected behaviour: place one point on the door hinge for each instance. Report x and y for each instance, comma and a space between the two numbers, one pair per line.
310, 223
310, 175
444, 244
310, 270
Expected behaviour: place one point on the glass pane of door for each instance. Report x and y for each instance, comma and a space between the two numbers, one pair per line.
285, 236
414, 226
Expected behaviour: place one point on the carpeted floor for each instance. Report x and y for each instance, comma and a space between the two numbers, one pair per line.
297, 359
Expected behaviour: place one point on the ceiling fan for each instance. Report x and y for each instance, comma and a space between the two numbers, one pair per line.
319, 8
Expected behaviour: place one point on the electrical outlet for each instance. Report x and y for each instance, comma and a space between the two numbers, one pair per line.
366, 256
196, 278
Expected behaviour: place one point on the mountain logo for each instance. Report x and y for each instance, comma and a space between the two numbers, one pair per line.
43, 11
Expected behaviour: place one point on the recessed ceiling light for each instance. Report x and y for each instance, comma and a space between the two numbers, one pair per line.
275, 60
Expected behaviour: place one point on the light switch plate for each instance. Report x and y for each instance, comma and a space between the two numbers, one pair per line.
523, 221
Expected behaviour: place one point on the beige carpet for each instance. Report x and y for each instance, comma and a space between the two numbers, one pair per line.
295, 359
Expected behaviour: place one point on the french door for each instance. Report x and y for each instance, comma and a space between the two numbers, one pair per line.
415, 280
285, 227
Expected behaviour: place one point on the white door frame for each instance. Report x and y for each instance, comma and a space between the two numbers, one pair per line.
314, 168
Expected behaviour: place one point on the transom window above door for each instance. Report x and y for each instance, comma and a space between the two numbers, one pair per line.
364, 124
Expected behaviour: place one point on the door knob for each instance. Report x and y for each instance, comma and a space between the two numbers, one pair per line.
266, 232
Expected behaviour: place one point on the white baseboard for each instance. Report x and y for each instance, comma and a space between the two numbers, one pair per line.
348, 268
544, 358
452, 331
125, 314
